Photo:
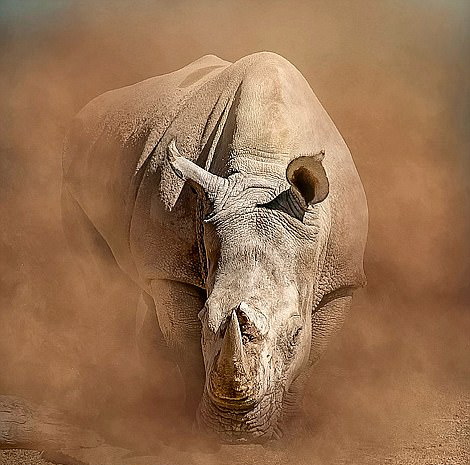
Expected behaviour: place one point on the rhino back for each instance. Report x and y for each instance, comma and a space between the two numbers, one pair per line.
253, 116
110, 141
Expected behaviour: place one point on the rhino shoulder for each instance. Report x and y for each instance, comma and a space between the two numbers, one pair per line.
343, 264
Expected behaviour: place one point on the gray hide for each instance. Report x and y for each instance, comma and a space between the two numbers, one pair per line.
244, 122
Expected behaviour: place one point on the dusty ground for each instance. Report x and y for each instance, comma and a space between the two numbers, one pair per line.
413, 411
441, 438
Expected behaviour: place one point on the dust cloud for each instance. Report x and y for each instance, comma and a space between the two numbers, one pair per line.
393, 76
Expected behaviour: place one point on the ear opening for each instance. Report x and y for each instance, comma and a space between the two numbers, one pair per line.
308, 179
305, 183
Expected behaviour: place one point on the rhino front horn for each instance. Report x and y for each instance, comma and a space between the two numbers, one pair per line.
229, 380
186, 169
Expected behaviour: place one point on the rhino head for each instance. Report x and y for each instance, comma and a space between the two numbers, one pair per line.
264, 239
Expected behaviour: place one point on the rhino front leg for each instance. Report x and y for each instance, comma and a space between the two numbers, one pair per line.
151, 345
327, 320
177, 306
158, 369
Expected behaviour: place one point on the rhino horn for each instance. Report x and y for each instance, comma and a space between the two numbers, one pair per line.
186, 169
229, 377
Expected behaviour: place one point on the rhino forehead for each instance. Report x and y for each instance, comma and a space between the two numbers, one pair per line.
263, 233
265, 301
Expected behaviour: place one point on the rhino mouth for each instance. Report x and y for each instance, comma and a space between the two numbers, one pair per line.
234, 422
241, 402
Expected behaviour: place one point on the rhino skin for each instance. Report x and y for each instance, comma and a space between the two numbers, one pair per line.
227, 195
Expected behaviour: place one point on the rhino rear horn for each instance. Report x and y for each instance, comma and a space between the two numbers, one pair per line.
187, 170
308, 180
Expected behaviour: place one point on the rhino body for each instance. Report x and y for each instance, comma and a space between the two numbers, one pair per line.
226, 193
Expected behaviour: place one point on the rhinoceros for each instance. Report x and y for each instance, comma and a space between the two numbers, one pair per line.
226, 194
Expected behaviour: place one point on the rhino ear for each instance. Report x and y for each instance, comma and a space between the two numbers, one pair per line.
308, 179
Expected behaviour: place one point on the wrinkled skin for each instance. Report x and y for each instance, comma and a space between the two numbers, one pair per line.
268, 272
246, 266
265, 240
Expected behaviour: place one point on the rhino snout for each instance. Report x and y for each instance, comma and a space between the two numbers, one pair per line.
230, 382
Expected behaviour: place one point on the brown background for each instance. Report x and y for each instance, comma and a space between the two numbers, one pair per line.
394, 76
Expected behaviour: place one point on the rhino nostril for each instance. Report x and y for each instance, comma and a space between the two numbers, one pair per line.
248, 329
253, 322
